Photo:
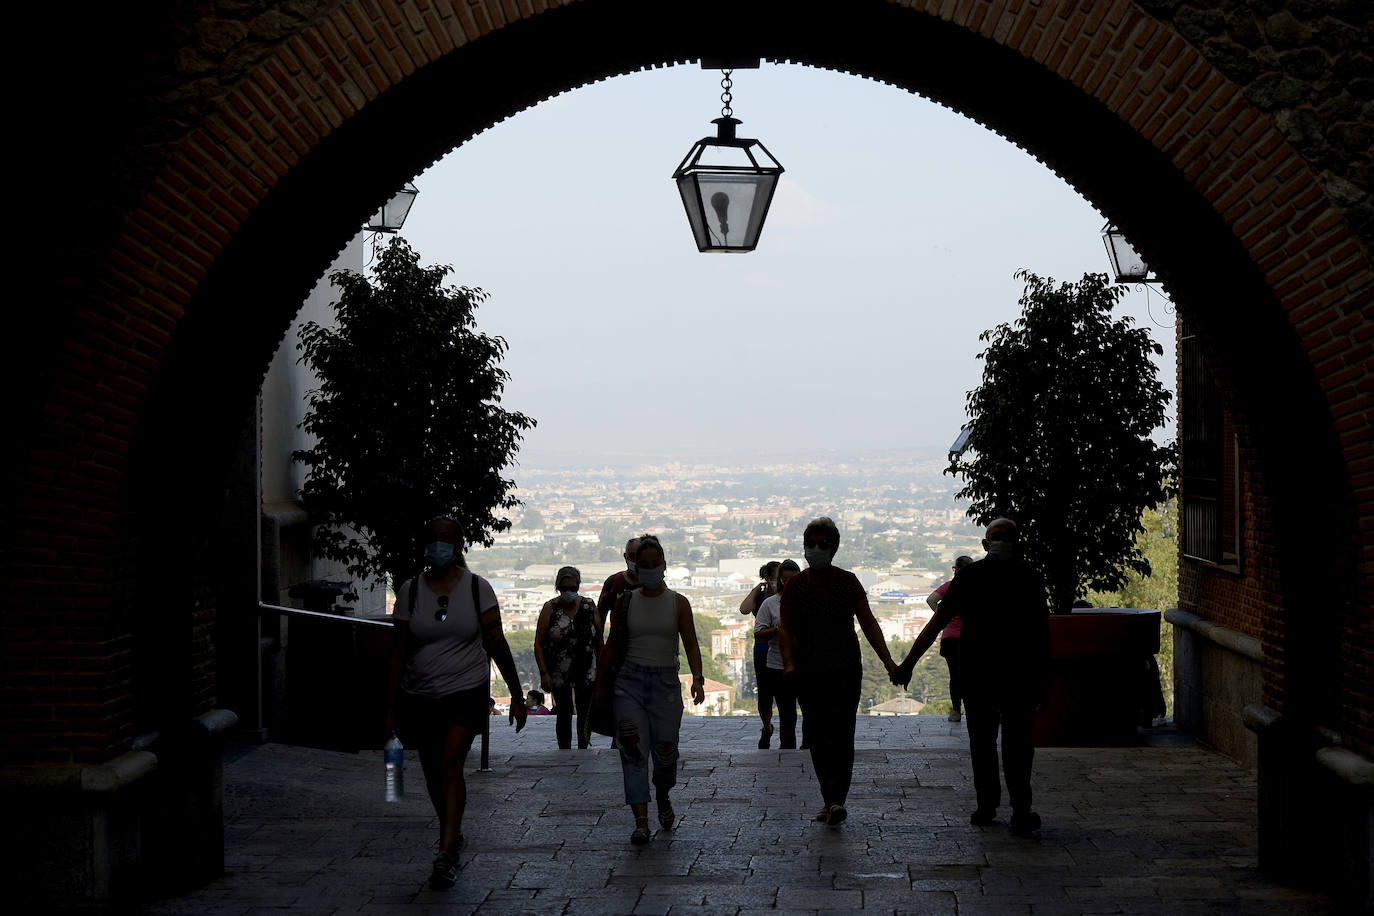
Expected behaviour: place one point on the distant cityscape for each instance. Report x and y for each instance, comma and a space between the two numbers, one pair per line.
900, 525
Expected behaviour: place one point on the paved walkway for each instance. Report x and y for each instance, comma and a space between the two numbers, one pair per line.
1165, 829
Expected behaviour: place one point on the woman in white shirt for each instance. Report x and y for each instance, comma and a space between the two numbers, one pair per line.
770, 674
447, 626
641, 657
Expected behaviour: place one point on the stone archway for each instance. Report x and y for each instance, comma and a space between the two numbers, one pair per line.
229, 210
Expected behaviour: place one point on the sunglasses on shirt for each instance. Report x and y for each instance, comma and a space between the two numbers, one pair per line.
442, 614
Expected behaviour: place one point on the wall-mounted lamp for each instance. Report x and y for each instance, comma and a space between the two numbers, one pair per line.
392, 216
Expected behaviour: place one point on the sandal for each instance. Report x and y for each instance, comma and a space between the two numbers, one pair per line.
823, 814
836, 815
666, 816
641, 835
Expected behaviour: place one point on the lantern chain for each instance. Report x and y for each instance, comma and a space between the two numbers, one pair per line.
725, 96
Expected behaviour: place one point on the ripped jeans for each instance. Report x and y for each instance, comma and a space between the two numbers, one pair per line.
648, 712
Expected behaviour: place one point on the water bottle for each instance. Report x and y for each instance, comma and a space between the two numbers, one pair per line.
394, 754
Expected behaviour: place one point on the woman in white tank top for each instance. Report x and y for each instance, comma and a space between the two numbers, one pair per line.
641, 656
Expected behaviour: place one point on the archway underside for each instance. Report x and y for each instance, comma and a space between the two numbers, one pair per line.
1091, 89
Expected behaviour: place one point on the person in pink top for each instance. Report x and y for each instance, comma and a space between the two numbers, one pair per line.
949, 642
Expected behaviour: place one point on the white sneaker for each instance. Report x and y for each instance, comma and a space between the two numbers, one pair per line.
954, 717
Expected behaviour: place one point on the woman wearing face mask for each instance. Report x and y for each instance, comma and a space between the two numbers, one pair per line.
820, 655
442, 646
771, 680
760, 593
646, 625
566, 642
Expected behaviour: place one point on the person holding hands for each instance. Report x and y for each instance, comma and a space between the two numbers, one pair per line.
1004, 661
820, 655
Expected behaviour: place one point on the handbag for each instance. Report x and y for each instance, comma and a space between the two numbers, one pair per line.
601, 716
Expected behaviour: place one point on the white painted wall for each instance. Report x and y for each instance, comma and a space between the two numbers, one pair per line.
283, 406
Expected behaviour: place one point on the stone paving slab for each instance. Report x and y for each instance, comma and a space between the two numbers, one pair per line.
1164, 828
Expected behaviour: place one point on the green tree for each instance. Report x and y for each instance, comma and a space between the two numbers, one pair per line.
1060, 434
521, 644
1158, 541
407, 419
532, 519
710, 667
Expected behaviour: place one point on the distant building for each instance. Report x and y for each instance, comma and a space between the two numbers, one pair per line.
720, 698
901, 706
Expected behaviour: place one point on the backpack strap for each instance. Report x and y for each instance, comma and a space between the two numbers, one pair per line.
620, 632
477, 608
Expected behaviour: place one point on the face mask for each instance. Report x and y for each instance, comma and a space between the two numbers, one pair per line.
630, 566
438, 554
568, 597
653, 578
817, 557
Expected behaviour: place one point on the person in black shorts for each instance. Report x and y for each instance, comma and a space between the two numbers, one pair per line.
447, 631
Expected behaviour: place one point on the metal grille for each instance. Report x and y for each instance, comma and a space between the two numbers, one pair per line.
1201, 455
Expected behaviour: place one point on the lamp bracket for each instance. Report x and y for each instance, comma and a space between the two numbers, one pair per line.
730, 63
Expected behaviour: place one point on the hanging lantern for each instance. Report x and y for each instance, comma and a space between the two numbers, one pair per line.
727, 184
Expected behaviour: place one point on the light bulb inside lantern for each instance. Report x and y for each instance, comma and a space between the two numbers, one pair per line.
720, 202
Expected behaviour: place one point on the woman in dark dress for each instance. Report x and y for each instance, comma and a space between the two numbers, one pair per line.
820, 653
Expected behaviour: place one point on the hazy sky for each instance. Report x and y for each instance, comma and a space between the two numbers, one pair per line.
890, 246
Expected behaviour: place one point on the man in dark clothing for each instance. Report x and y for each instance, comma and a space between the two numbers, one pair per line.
617, 584
1004, 657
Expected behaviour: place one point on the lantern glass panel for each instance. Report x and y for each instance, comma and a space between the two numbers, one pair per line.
691, 202
731, 208
1126, 262
392, 216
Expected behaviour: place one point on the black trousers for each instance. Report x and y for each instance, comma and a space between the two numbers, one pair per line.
832, 709
764, 684
1014, 717
563, 706
780, 690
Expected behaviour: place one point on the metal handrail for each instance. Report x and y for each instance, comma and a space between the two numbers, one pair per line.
484, 765
322, 615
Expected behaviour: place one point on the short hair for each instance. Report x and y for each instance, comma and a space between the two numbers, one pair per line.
537, 695
449, 520
565, 572
769, 569
1007, 532
634, 541
825, 528
962, 561
649, 540
788, 565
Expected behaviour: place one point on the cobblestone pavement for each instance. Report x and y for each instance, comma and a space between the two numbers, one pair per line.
1167, 828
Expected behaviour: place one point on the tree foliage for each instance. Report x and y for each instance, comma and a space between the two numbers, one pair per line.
408, 419
710, 666
1060, 435
1159, 590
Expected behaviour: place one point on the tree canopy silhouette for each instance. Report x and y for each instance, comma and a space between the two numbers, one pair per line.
408, 419
1060, 431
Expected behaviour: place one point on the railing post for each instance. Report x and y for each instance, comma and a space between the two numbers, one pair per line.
485, 765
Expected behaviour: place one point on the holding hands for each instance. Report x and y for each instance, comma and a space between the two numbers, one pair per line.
901, 673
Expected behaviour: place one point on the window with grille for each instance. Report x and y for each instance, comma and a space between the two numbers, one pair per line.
1209, 465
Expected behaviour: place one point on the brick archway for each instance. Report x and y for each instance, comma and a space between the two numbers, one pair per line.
245, 202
